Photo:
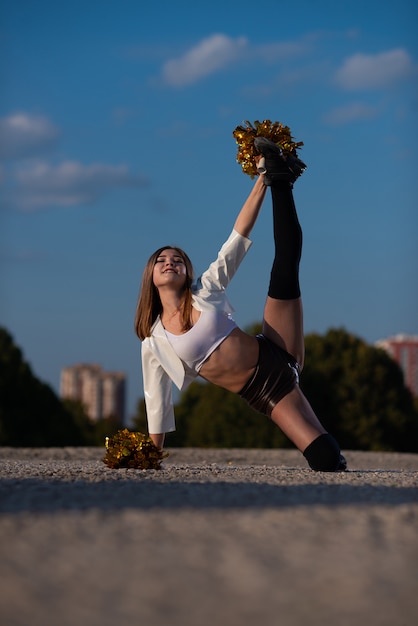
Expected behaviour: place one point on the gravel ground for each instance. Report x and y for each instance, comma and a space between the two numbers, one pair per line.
214, 538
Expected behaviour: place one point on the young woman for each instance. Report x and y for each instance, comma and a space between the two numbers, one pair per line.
187, 330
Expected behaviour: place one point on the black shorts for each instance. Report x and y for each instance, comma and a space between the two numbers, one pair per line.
276, 374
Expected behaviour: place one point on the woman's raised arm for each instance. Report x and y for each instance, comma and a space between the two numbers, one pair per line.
251, 208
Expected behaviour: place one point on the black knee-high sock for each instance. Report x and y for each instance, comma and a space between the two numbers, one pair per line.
324, 455
284, 279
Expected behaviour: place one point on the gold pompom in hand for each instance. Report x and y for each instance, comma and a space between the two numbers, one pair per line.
275, 131
132, 450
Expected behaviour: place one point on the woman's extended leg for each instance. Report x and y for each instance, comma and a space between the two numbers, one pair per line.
283, 319
283, 315
283, 312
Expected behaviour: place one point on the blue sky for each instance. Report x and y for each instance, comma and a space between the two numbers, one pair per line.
116, 123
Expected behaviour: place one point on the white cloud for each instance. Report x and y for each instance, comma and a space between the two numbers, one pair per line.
210, 55
281, 51
367, 71
42, 185
350, 113
23, 135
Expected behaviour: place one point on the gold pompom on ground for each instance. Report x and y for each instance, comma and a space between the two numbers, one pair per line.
132, 450
275, 131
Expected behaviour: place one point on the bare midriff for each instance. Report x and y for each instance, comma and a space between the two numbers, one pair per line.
233, 362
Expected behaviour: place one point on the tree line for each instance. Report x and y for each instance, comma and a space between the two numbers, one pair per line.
31, 413
357, 391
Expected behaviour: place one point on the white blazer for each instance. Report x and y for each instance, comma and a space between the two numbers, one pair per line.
160, 364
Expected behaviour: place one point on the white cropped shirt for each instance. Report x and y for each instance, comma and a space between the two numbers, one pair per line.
198, 343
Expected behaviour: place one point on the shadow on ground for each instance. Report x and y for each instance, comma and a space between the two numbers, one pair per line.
38, 495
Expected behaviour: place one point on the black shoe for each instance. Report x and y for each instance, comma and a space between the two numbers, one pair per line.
278, 168
342, 466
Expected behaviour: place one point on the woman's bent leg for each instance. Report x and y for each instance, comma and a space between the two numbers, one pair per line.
296, 418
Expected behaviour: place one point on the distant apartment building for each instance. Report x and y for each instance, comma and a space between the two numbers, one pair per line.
101, 393
404, 350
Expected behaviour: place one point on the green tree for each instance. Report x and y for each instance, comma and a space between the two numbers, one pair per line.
209, 416
105, 427
139, 421
80, 417
94, 432
30, 412
358, 392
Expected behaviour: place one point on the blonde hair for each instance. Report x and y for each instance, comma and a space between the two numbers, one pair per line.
149, 303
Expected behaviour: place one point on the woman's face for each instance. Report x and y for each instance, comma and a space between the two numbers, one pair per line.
169, 270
